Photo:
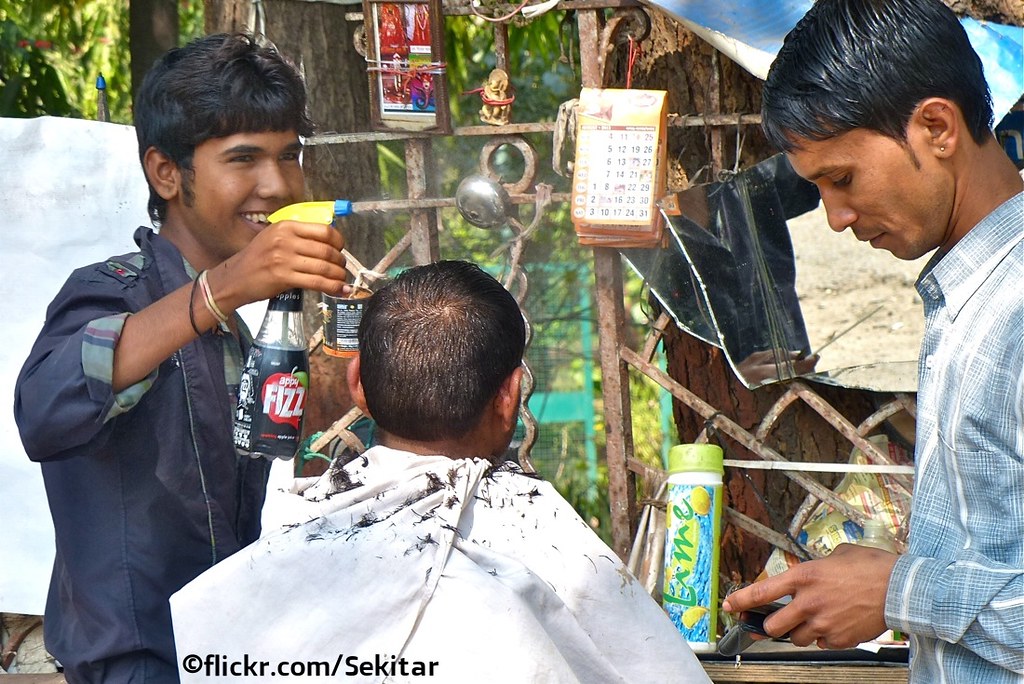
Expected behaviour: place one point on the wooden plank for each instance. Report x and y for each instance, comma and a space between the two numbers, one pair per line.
777, 673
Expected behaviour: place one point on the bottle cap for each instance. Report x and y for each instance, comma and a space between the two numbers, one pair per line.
690, 458
342, 207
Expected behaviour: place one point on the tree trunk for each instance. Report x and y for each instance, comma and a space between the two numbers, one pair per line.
318, 38
999, 11
152, 31
226, 16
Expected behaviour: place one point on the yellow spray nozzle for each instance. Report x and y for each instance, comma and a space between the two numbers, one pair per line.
312, 212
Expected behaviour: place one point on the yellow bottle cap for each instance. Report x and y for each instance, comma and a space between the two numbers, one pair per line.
688, 458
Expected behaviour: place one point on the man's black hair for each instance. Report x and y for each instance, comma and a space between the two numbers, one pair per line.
435, 344
214, 87
867, 64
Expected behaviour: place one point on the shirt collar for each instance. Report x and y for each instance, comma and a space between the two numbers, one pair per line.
957, 275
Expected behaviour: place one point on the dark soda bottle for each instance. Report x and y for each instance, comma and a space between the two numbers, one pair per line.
274, 384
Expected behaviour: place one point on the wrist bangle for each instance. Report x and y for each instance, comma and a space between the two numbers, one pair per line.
191, 308
211, 303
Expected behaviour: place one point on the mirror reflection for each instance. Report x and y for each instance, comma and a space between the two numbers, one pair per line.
784, 300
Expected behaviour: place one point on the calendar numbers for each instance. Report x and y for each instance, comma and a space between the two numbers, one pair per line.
619, 167
619, 171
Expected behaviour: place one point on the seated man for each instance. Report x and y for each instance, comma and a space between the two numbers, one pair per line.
426, 558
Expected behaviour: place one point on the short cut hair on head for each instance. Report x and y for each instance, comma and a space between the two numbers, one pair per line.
867, 64
216, 86
435, 345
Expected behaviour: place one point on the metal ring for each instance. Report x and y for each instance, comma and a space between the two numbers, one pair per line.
529, 159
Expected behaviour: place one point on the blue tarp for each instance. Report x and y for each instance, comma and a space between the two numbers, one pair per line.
751, 33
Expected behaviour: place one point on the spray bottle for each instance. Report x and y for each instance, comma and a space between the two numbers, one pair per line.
275, 379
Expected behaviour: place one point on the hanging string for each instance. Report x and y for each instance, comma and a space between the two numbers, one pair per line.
635, 50
473, 5
396, 67
488, 101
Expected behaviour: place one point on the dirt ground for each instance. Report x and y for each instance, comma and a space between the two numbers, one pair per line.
840, 280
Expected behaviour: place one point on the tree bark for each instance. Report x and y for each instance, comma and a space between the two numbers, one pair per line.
153, 30
999, 11
226, 16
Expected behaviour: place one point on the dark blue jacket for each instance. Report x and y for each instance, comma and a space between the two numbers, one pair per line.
141, 503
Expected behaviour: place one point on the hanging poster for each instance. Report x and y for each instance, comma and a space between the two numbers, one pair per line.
405, 61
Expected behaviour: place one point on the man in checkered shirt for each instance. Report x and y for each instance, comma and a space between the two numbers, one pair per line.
884, 106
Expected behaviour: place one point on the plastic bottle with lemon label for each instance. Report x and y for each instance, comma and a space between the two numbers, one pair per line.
692, 539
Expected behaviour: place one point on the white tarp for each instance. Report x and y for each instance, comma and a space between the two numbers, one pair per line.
71, 193
396, 561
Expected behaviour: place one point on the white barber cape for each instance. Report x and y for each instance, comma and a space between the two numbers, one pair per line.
405, 568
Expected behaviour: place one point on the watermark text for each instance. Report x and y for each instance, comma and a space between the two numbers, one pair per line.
380, 665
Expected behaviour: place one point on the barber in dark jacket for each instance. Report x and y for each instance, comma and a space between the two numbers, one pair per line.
127, 397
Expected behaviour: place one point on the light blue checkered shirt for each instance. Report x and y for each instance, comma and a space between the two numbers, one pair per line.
959, 591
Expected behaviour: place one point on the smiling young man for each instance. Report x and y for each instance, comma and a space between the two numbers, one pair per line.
884, 106
127, 396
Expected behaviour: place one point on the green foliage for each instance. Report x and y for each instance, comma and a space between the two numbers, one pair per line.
541, 78
52, 53
573, 480
190, 20
29, 85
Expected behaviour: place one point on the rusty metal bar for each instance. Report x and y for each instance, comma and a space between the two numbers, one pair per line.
674, 120
735, 431
714, 120
715, 107
458, 9
611, 322
840, 423
909, 403
888, 410
654, 336
441, 202
611, 326
651, 476
422, 223
780, 405
501, 46
768, 534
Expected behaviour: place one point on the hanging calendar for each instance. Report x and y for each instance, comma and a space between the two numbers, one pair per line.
619, 171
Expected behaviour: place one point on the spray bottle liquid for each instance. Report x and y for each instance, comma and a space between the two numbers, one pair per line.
274, 385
